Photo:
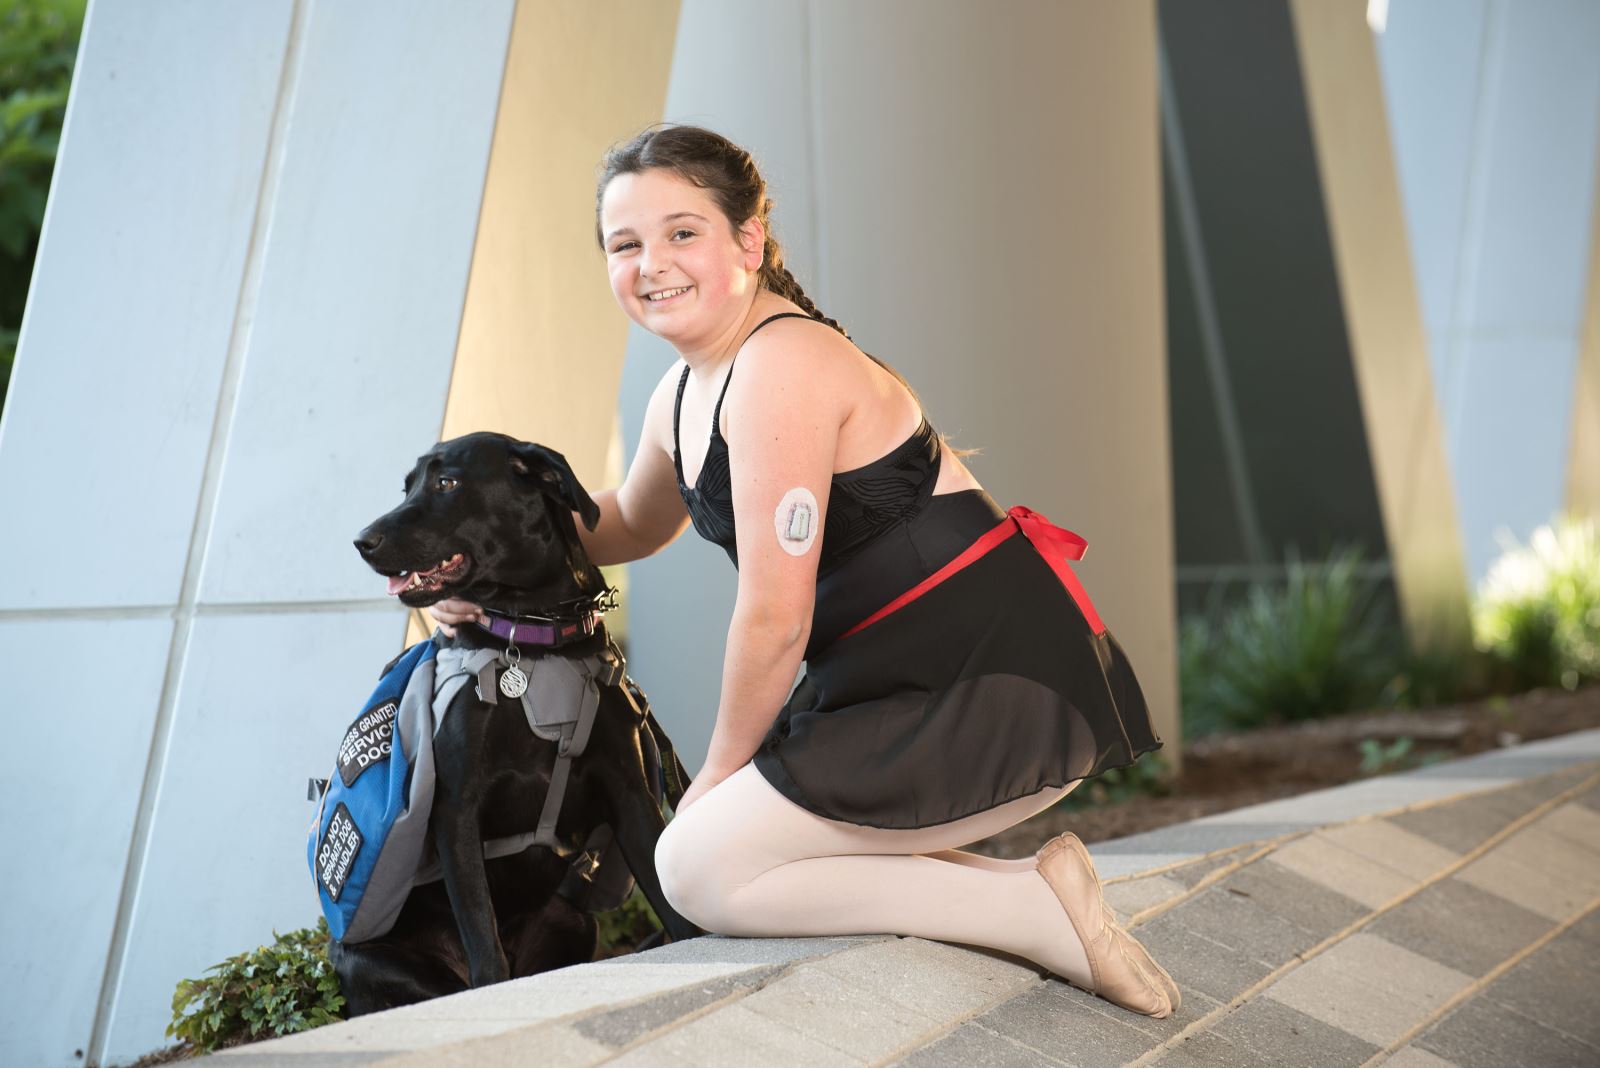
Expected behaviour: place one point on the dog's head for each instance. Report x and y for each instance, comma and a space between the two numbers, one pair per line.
487, 518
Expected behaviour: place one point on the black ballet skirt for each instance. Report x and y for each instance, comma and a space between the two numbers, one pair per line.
955, 662
994, 682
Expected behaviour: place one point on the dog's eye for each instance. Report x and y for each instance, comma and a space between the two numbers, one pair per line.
444, 484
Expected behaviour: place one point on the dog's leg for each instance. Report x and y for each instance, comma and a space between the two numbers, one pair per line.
374, 976
458, 838
457, 832
539, 928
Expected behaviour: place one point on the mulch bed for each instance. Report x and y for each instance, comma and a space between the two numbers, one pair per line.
1226, 771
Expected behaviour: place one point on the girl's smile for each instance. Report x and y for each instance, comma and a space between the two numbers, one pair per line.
661, 297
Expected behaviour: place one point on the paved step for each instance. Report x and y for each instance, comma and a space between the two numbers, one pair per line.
1444, 916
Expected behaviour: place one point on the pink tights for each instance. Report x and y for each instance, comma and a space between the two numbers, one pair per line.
745, 860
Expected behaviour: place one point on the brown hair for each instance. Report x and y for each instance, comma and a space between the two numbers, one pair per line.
729, 174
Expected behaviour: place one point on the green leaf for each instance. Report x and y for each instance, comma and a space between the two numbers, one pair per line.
282, 988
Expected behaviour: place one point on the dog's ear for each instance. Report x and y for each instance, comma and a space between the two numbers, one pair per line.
554, 476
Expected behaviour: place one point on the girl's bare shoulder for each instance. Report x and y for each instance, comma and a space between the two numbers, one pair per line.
832, 367
657, 427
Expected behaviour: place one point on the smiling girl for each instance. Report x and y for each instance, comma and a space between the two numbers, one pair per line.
958, 679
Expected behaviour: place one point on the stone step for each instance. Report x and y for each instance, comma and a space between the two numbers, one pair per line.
1425, 917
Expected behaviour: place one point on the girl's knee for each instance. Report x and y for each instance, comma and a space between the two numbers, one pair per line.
672, 867
692, 867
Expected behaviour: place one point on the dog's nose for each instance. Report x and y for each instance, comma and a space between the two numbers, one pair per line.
367, 542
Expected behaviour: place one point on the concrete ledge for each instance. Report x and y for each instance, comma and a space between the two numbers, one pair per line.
1423, 916
1447, 780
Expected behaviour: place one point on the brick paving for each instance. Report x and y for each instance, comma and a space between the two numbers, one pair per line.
1442, 917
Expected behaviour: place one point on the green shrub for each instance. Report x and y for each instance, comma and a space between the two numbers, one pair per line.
1318, 644
1537, 612
279, 989
1198, 647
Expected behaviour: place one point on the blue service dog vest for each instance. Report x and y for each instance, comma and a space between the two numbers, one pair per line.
369, 843
371, 827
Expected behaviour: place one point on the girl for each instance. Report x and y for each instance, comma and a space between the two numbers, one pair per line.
957, 677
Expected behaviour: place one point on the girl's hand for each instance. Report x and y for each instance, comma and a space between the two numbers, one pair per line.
702, 783
452, 611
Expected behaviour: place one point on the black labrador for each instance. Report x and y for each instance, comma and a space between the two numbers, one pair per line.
489, 519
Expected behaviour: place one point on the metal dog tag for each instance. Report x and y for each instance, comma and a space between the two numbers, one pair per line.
513, 683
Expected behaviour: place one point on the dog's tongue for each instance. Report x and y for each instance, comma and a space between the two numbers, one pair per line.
398, 583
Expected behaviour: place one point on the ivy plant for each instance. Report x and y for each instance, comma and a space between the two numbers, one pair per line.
272, 990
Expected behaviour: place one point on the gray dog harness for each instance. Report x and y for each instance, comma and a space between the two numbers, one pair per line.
560, 702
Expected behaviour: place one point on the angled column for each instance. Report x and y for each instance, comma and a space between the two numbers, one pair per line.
1583, 457
542, 340
1383, 317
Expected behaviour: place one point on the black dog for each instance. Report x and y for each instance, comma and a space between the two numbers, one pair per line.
490, 519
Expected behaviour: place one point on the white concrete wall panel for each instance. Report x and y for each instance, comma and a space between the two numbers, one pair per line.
133, 298
78, 698
226, 861
1539, 174
1511, 454
365, 272
1519, 354
1429, 98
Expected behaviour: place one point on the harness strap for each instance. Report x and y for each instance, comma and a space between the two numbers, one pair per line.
486, 678
574, 740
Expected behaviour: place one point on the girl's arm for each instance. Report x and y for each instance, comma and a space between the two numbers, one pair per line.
785, 406
646, 513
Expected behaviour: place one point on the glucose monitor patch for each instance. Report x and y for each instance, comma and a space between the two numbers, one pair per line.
795, 521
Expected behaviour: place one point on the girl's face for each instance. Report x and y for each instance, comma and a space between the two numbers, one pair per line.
677, 269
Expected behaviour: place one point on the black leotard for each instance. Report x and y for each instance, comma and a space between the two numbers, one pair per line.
862, 503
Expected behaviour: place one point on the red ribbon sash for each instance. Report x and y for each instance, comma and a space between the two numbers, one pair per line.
1058, 545
1055, 544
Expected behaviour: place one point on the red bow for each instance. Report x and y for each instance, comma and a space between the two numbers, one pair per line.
1058, 545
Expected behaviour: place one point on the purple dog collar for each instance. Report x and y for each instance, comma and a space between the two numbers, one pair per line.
552, 630
554, 633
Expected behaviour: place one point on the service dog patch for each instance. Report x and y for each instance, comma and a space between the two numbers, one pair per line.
337, 852
369, 741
